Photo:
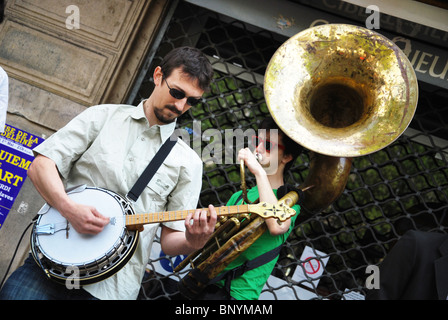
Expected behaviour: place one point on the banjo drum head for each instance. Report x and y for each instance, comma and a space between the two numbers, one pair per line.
89, 253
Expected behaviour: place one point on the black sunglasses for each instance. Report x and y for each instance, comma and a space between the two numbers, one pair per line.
267, 144
177, 94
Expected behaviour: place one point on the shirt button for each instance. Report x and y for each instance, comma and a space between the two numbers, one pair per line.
142, 138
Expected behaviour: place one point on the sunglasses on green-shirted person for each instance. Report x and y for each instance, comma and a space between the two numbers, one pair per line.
267, 144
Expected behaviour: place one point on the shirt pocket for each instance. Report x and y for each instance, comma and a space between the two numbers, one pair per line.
160, 188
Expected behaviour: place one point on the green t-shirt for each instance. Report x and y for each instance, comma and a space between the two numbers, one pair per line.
249, 285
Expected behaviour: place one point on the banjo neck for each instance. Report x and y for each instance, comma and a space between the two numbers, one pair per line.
263, 209
137, 220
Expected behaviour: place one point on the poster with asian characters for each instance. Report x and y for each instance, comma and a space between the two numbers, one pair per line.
16, 156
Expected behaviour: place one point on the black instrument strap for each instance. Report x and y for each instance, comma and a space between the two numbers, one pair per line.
151, 169
248, 265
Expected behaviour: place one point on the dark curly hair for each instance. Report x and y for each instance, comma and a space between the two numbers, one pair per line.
193, 62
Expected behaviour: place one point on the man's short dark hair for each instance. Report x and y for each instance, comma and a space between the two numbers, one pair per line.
193, 62
291, 147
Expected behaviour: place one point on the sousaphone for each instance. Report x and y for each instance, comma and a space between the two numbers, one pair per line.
340, 91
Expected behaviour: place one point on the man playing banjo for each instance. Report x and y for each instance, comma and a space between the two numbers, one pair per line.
108, 146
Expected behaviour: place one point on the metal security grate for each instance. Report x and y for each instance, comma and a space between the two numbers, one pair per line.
402, 187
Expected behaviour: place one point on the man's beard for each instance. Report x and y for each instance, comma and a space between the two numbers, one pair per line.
159, 114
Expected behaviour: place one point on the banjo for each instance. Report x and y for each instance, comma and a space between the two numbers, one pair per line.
66, 255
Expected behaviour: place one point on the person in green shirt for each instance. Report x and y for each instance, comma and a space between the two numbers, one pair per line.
271, 159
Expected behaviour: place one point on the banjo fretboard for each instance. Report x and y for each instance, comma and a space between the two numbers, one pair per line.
146, 218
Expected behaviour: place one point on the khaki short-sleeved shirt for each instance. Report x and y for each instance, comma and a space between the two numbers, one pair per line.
109, 146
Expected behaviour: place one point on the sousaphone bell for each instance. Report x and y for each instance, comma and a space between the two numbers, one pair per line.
340, 91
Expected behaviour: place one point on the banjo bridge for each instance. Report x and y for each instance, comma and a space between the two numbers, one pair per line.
51, 228
45, 229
